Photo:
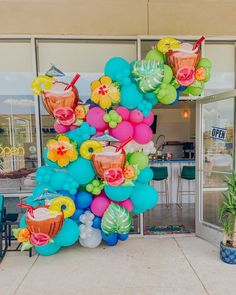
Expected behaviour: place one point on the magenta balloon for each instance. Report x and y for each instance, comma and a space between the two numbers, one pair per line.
136, 116
123, 112
123, 131
59, 128
99, 205
142, 133
95, 118
127, 204
149, 119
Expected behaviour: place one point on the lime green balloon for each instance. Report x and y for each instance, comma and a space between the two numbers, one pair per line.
154, 54
167, 94
139, 159
116, 219
168, 74
205, 63
196, 88
208, 74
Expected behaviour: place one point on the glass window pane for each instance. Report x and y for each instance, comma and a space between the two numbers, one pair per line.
87, 57
218, 152
211, 203
18, 153
222, 57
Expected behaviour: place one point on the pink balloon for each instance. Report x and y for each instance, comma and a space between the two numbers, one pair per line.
73, 127
142, 133
149, 119
59, 128
136, 116
123, 131
127, 204
99, 133
95, 118
123, 112
99, 205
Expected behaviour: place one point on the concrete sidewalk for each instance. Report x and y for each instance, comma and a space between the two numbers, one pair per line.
165, 266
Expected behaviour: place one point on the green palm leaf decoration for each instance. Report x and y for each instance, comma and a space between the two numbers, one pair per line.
116, 219
148, 74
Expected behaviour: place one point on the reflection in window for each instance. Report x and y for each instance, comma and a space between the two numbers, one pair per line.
18, 153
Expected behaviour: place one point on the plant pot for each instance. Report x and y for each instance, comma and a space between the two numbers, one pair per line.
227, 254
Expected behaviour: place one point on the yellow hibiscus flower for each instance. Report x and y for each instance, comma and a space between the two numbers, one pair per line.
104, 92
62, 150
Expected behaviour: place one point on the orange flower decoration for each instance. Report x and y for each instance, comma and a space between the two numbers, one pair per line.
104, 92
62, 150
24, 235
200, 74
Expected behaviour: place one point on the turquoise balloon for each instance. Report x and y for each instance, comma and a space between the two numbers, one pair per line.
145, 175
22, 222
117, 68
68, 235
130, 96
151, 97
48, 249
81, 170
118, 193
38, 190
58, 179
144, 197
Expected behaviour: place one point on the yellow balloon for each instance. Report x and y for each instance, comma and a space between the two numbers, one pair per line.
57, 203
41, 83
89, 147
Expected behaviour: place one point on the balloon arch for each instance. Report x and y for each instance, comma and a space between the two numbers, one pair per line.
96, 169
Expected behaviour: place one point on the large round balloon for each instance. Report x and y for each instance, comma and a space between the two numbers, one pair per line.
68, 235
48, 249
130, 96
82, 170
118, 193
122, 131
99, 205
142, 133
83, 200
145, 175
139, 159
144, 197
95, 118
117, 68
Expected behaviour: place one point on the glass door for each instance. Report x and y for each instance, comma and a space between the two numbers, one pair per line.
215, 160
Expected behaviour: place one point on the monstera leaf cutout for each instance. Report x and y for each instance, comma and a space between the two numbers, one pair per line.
116, 219
148, 74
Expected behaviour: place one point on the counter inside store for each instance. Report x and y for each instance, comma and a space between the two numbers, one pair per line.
174, 155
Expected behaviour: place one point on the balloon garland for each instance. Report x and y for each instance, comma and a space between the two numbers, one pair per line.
96, 170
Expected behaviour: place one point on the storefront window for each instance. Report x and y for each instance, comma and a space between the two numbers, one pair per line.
222, 57
18, 152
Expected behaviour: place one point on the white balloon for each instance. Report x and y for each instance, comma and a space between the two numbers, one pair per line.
93, 241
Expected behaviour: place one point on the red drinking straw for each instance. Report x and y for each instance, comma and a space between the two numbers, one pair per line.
124, 143
198, 43
29, 208
72, 83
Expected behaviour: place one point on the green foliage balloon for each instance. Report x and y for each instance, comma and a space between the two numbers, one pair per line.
155, 54
148, 74
116, 219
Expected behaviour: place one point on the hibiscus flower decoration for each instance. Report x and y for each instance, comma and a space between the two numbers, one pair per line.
185, 76
23, 235
62, 150
105, 92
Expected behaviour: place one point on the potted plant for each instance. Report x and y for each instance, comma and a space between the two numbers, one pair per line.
227, 215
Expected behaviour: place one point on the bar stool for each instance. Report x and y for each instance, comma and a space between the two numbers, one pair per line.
161, 174
187, 173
